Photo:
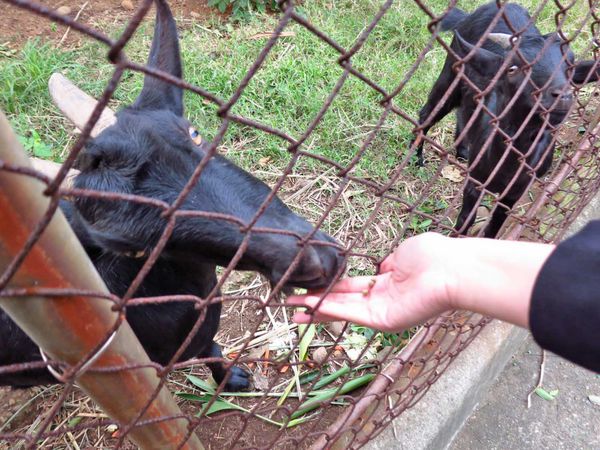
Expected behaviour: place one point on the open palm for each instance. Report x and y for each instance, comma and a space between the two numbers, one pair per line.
413, 286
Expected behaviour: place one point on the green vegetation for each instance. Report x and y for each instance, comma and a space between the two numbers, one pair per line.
287, 92
242, 9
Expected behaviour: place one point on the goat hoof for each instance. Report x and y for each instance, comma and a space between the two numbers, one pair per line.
417, 161
239, 380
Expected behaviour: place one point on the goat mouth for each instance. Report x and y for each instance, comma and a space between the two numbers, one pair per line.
315, 283
556, 116
289, 287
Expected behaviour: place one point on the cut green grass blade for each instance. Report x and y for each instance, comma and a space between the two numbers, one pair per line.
192, 397
221, 404
267, 394
318, 400
299, 421
332, 377
308, 334
200, 383
307, 377
287, 391
548, 396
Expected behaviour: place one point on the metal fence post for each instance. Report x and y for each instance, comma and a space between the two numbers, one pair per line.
69, 328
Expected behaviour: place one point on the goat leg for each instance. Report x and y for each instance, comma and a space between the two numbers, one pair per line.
462, 150
236, 378
440, 88
499, 215
470, 202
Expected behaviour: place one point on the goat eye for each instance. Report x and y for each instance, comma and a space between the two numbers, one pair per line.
195, 136
512, 70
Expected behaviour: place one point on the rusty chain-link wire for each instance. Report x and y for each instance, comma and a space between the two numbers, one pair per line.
400, 376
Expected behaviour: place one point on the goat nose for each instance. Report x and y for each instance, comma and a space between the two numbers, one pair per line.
564, 95
319, 265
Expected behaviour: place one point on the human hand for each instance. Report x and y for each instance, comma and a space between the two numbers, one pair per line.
415, 284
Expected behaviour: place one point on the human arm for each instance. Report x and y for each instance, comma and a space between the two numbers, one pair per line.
565, 303
554, 291
429, 274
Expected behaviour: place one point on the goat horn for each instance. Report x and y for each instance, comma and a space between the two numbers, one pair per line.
502, 39
51, 168
76, 105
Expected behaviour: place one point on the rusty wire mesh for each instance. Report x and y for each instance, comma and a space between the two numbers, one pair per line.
402, 374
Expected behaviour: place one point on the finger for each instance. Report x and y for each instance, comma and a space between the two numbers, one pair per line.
362, 285
388, 263
315, 317
312, 301
356, 284
344, 306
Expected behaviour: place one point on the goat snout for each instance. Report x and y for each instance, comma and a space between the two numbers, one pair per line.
561, 99
319, 265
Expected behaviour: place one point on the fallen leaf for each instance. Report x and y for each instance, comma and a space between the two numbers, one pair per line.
595, 399
413, 370
268, 35
265, 364
258, 352
260, 381
452, 173
74, 421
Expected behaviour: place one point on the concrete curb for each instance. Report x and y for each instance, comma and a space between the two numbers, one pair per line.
437, 418
434, 421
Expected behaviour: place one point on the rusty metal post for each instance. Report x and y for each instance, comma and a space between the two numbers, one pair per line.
69, 328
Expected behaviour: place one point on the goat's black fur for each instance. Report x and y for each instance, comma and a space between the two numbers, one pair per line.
149, 152
551, 73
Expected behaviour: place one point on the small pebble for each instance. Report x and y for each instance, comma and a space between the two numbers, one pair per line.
64, 10
320, 355
336, 328
127, 4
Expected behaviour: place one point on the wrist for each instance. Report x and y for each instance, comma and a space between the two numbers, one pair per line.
494, 277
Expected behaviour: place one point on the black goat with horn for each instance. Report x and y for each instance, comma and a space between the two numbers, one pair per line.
149, 149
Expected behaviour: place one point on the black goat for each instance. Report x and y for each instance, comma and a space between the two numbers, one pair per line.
150, 151
540, 81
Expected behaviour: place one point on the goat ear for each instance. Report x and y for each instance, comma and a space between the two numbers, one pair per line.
481, 60
164, 55
586, 72
553, 36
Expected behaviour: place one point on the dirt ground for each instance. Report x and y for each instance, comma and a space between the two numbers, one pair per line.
17, 25
20, 409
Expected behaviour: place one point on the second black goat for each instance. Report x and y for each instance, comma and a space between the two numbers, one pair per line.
151, 151
539, 83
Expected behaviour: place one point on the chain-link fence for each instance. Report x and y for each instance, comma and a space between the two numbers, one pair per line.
312, 386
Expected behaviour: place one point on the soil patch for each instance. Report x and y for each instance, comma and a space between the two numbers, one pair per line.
17, 25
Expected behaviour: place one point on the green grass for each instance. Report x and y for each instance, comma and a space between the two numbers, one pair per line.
286, 93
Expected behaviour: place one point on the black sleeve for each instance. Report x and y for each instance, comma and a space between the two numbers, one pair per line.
565, 306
